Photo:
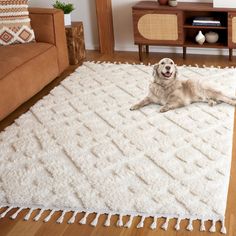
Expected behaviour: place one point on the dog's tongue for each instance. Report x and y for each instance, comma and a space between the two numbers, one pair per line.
167, 74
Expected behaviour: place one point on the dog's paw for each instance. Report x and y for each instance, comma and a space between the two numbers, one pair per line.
164, 109
212, 103
233, 103
133, 108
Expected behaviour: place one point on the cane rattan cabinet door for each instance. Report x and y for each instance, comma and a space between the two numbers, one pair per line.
157, 27
232, 30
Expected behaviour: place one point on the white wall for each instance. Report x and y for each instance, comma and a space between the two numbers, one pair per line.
85, 11
122, 19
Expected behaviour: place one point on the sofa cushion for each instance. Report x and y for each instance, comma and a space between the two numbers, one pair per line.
15, 22
25, 70
14, 56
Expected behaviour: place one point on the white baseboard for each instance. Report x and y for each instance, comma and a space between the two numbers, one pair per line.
91, 47
166, 49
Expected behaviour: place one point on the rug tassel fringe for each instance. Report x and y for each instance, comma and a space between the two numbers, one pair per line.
120, 221
202, 227
84, 219
49, 216
149, 64
108, 220
223, 228
72, 219
61, 218
13, 217
95, 221
190, 225
177, 226
154, 223
166, 224
129, 223
213, 227
37, 217
5, 212
141, 223
27, 217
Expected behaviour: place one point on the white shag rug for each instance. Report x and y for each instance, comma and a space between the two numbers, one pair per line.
80, 149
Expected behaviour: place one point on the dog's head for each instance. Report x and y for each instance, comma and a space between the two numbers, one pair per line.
165, 70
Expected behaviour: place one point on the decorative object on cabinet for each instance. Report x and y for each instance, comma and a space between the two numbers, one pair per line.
206, 21
173, 3
225, 3
200, 38
163, 2
212, 37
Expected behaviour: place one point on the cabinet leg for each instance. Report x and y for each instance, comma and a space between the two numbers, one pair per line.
140, 50
230, 54
147, 49
184, 52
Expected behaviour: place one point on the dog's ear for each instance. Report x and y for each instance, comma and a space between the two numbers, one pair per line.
176, 72
155, 70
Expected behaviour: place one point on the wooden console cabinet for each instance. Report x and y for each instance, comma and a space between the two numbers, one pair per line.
172, 26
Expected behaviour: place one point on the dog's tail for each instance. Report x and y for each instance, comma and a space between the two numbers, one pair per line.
220, 97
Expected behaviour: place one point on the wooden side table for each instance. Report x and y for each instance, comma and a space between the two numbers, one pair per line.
75, 42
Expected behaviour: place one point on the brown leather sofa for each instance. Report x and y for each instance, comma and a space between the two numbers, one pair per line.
26, 68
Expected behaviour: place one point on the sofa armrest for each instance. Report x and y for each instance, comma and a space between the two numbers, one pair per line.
48, 25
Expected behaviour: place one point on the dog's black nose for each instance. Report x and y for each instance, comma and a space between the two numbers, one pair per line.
168, 67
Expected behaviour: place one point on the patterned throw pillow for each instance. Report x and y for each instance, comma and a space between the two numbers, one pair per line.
15, 22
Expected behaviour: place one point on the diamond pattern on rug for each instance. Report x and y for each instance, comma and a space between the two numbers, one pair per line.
81, 149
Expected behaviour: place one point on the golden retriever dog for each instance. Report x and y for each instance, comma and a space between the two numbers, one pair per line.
171, 93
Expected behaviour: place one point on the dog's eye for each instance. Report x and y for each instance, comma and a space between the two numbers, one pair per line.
163, 63
171, 63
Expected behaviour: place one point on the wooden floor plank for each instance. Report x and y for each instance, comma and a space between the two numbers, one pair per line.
19, 227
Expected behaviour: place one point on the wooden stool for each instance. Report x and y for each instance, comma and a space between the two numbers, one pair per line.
75, 42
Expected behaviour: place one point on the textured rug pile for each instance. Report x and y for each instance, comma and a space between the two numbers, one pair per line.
80, 149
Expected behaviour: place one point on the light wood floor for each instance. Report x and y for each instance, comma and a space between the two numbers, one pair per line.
19, 227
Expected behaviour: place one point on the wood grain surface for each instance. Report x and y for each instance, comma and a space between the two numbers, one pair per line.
75, 42
105, 26
191, 6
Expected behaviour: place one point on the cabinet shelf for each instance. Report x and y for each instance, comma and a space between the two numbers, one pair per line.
190, 43
188, 26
